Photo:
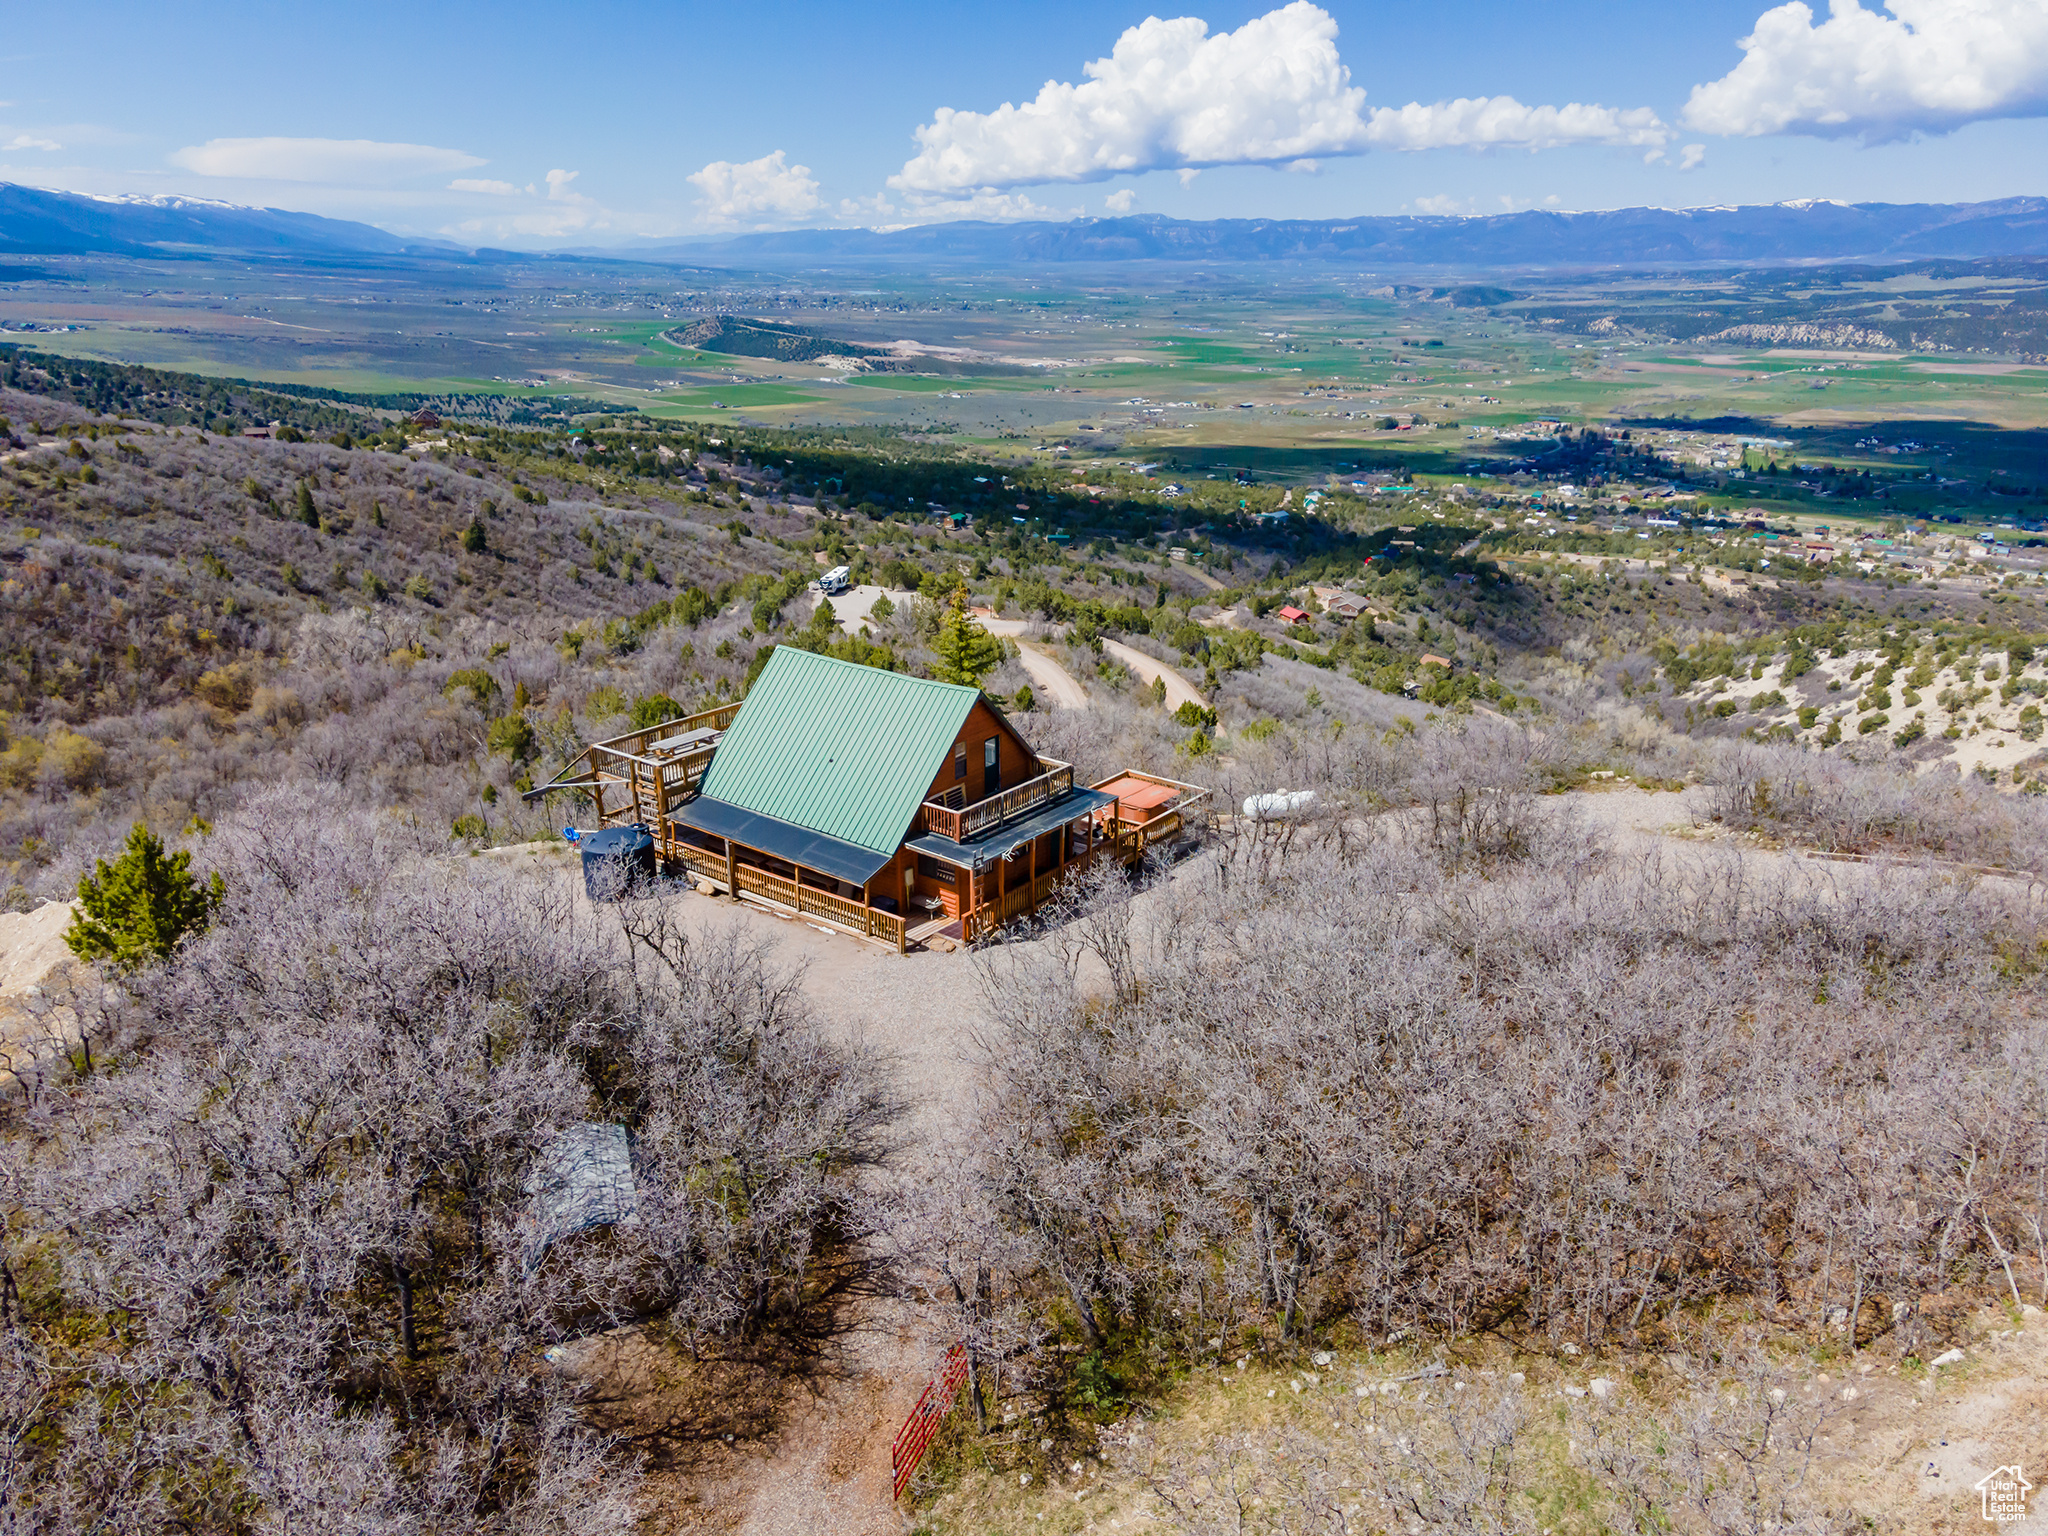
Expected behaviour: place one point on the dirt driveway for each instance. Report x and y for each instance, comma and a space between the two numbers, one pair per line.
1058, 684
1179, 690
816, 1461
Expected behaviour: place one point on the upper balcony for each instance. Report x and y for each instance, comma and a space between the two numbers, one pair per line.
969, 822
652, 765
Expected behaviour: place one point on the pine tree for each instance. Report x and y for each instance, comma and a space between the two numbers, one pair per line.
308, 513
138, 908
966, 652
473, 536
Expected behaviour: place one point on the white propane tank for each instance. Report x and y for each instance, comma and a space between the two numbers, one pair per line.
1280, 805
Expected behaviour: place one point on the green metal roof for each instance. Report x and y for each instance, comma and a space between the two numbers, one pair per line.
838, 748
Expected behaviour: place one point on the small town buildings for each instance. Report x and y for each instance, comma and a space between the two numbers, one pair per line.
889, 806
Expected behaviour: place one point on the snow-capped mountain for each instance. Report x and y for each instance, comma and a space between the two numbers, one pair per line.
38, 222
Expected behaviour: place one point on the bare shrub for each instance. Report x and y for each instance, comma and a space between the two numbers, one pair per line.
304, 1190
1842, 806
1538, 1101
1730, 1449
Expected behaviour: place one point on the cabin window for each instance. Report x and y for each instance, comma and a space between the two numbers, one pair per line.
991, 767
932, 869
959, 760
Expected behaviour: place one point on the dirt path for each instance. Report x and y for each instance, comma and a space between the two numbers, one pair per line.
854, 608
34, 963
810, 1459
1058, 684
1055, 681
1914, 1446
1179, 690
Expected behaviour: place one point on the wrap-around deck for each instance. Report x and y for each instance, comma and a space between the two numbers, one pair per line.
840, 794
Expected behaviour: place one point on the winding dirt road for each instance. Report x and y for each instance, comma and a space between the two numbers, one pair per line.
1058, 685
1179, 690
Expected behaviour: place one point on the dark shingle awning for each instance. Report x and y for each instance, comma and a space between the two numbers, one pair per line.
1012, 835
783, 840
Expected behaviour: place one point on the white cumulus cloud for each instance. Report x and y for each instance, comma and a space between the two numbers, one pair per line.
552, 212
1123, 200
1692, 157
764, 191
1501, 122
1274, 92
994, 207
880, 212
30, 141
321, 160
1927, 65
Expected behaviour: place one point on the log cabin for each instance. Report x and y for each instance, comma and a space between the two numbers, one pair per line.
890, 806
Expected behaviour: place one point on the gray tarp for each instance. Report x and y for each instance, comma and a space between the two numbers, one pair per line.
582, 1179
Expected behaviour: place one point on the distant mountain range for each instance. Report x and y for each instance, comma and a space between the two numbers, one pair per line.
36, 222
1802, 231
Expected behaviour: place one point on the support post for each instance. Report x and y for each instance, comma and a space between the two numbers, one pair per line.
732, 878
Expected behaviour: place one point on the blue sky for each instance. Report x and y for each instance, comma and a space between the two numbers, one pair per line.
597, 125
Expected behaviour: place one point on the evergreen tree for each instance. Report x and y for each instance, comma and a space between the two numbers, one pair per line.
967, 653
308, 513
473, 536
138, 908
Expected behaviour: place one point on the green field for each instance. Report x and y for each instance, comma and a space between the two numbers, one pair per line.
927, 384
1153, 364
736, 397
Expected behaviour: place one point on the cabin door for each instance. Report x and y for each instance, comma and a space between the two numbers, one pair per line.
991, 768
909, 887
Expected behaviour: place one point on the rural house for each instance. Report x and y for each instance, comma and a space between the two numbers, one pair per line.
890, 806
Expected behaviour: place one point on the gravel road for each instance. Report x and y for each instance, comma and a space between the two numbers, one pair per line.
1179, 690
1055, 681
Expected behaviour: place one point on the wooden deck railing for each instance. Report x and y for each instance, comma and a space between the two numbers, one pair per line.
653, 781
1122, 840
856, 917
971, 821
636, 743
701, 861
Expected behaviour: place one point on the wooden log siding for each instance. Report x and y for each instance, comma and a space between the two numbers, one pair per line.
961, 825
